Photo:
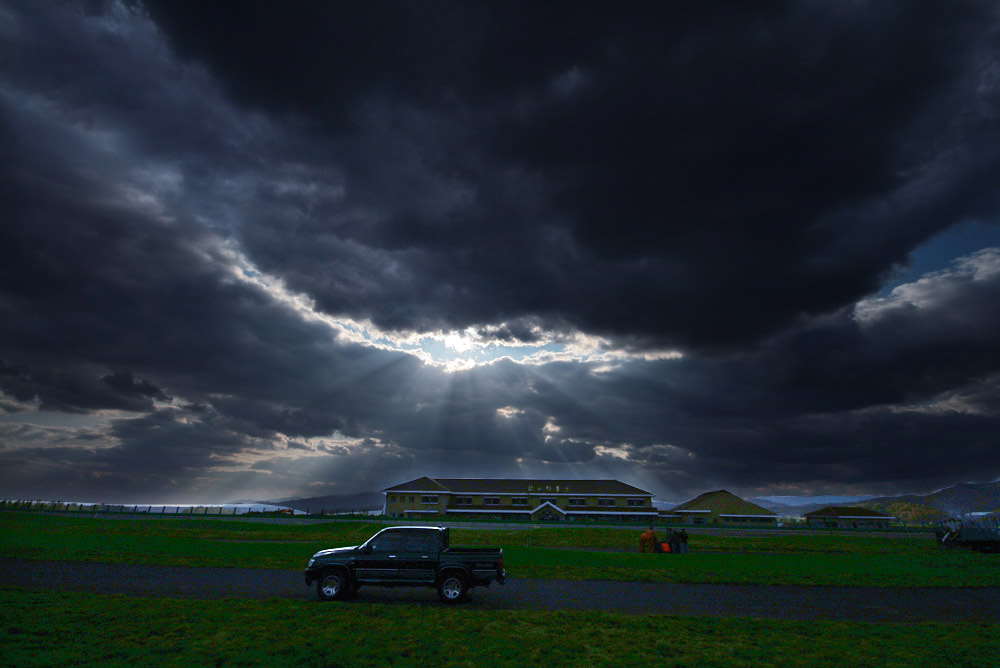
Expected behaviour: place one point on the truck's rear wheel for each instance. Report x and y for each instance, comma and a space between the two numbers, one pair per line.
452, 588
332, 585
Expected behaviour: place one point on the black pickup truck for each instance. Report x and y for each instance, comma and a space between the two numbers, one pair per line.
406, 557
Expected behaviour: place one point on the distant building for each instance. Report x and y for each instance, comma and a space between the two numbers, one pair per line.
719, 507
534, 500
848, 517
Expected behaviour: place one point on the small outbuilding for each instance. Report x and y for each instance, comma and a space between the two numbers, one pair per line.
848, 517
722, 507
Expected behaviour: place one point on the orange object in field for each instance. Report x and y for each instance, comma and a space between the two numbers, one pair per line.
646, 541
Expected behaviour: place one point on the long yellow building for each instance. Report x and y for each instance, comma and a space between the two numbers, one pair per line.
534, 500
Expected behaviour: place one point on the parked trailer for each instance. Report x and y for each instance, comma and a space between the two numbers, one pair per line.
981, 539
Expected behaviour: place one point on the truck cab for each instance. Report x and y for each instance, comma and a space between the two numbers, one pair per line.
405, 556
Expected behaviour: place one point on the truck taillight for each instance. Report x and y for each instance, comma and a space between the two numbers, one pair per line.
500, 564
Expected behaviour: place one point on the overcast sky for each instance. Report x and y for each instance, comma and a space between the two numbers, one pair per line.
274, 249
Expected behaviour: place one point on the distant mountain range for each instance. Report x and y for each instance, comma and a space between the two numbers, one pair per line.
805, 500
803, 504
332, 503
934, 507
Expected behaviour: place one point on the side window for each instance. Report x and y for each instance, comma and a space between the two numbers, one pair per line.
391, 541
419, 542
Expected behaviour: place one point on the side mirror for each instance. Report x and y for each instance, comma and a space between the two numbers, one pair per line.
367, 549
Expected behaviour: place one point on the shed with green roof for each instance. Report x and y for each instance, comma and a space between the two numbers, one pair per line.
721, 507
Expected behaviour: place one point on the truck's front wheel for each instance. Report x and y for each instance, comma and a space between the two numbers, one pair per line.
452, 588
332, 585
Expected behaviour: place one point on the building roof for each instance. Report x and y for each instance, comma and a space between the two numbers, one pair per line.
852, 512
722, 502
519, 486
424, 484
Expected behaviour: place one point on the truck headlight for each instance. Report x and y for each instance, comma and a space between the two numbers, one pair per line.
313, 559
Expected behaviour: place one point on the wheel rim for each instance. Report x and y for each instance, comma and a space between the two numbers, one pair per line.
331, 585
452, 588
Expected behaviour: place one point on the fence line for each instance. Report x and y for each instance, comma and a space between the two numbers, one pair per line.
169, 509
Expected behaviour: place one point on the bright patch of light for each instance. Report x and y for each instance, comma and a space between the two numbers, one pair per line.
509, 412
460, 342
453, 350
616, 452
933, 288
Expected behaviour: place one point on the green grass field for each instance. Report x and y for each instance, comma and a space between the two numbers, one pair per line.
42, 629
541, 553
50, 628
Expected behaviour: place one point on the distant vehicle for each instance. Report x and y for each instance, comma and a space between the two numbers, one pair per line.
406, 557
979, 538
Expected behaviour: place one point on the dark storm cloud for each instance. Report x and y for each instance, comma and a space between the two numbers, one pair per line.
873, 397
729, 180
685, 174
124, 383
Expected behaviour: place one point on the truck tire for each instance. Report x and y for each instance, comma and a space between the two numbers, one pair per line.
452, 587
333, 585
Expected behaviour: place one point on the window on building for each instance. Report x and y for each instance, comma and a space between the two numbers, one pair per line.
519, 501
637, 502
491, 500
411, 499
463, 500
605, 502
428, 499
578, 502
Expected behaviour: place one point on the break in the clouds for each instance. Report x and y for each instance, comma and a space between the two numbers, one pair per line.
265, 250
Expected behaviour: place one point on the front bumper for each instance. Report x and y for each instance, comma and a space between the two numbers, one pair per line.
312, 575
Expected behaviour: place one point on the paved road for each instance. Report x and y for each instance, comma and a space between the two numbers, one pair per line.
779, 602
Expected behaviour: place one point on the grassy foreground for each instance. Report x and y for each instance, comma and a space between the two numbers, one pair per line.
536, 553
43, 629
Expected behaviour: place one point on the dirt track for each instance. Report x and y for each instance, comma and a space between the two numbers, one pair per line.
779, 602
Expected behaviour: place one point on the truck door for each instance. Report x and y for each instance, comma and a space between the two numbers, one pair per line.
385, 559
420, 556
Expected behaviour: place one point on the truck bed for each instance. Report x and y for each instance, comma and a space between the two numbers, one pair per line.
471, 551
